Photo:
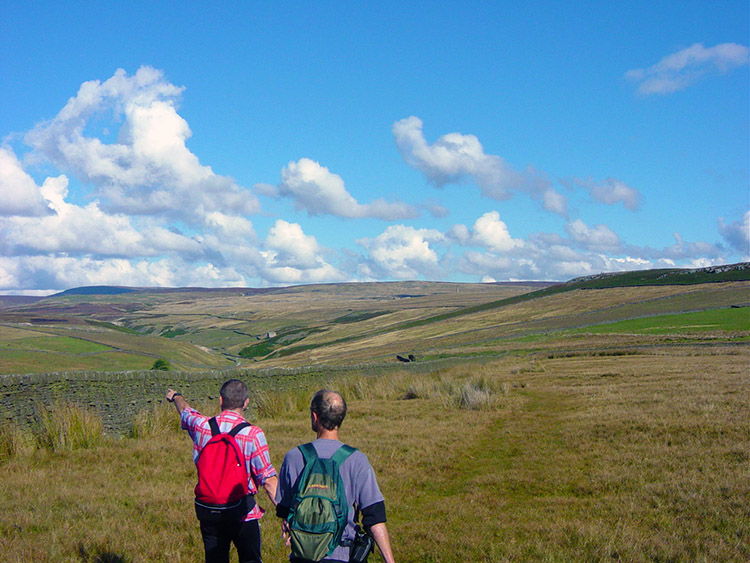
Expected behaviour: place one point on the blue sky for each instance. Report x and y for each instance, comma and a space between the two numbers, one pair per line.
256, 144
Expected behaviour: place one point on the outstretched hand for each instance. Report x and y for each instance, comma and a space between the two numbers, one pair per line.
176, 397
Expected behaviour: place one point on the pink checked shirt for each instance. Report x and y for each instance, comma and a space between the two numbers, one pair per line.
251, 441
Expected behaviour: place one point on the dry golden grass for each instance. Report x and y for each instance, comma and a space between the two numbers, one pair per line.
639, 458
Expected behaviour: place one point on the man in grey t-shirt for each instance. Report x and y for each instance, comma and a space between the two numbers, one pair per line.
327, 412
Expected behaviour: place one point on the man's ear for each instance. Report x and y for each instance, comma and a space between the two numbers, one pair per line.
247, 402
221, 402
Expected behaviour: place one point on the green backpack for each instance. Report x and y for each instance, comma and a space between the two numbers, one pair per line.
320, 510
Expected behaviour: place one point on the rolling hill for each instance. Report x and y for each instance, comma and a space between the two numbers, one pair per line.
113, 328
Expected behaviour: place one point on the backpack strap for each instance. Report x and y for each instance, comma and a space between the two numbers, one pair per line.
214, 425
309, 453
237, 429
342, 454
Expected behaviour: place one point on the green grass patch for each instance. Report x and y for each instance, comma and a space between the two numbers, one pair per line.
36, 361
64, 344
358, 316
269, 345
257, 350
732, 320
170, 332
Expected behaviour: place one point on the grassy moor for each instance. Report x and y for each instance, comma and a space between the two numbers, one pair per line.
604, 419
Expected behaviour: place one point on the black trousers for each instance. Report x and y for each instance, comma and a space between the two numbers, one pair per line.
217, 538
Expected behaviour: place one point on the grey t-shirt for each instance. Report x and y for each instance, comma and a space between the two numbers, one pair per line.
356, 473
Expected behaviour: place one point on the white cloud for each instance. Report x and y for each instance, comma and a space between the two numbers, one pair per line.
62, 272
20, 194
598, 238
291, 246
555, 202
681, 69
317, 190
610, 191
231, 226
460, 233
456, 157
548, 256
291, 256
684, 250
402, 252
492, 233
77, 231
149, 169
737, 234
435, 209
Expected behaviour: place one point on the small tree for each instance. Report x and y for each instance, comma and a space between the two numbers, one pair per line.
161, 364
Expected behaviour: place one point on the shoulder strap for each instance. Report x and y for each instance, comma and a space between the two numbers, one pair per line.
214, 425
237, 429
309, 453
342, 454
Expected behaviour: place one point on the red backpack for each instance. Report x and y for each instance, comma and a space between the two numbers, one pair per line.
222, 490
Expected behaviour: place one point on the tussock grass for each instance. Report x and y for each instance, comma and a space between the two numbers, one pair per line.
65, 426
279, 403
159, 420
472, 392
14, 440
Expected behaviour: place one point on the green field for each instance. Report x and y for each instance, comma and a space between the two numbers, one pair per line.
728, 320
62, 344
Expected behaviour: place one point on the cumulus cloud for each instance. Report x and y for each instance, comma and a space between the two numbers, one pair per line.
319, 191
686, 250
76, 231
231, 226
291, 256
158, 217
60, 272
610, 191
148, 169
401, 252
681, 69
492, 253
21, 195
492, 233
598, 238
455, 158
737, 234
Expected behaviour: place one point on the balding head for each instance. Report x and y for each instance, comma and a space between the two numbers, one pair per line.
330, 407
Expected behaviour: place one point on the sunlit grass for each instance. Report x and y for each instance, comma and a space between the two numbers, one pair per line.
65, 426
729, 319
15, 440
637, 458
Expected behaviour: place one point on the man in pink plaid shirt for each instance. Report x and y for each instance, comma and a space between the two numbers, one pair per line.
245, 534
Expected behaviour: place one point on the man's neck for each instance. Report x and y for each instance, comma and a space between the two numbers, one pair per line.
325, 434
235, 411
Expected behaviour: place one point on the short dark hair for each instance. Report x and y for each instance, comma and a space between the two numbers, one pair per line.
330, 407
233, 394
